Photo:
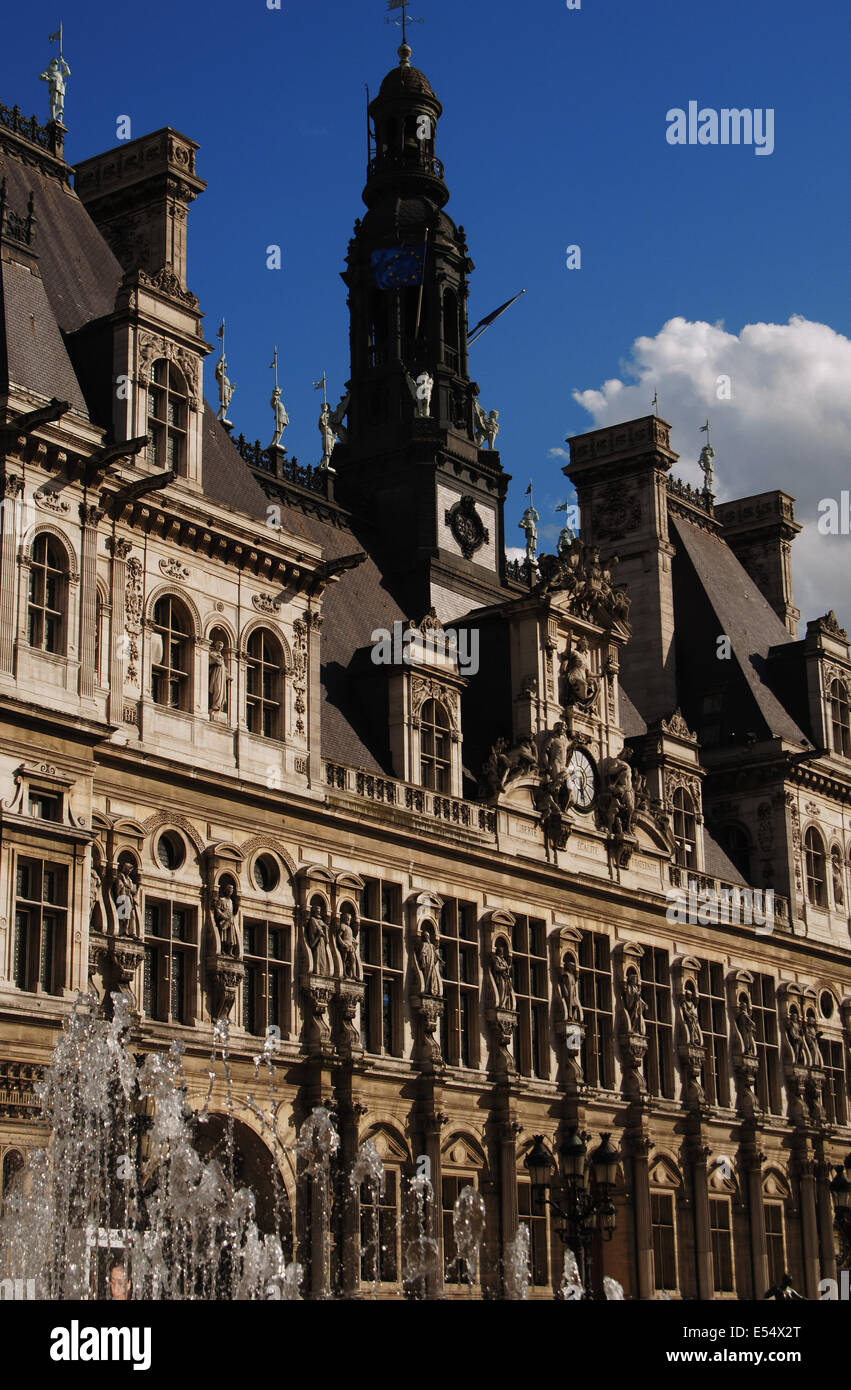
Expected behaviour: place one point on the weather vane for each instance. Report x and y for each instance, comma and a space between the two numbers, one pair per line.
406, 18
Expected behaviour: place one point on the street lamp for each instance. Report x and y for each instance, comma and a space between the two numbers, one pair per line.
583, 1211
840, 1191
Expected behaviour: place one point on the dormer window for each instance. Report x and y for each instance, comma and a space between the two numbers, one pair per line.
435, 743
47, 596
816, 868
167, 418
840, 719
685, 829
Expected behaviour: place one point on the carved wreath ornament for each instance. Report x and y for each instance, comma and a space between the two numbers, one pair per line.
466, 526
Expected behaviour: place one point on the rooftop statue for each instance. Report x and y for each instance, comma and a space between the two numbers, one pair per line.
55, 74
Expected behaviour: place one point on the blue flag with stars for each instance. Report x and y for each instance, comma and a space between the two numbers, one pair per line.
397, 265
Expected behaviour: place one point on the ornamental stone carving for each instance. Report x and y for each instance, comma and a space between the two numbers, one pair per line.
173, 569
133, 607
266, 603
678, 727
584, 583
467, 527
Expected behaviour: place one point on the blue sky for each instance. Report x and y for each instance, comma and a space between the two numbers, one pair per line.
553, 134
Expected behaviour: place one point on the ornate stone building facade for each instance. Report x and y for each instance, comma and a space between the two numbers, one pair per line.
590, 877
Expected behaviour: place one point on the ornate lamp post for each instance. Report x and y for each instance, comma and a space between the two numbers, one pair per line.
840, 1191
584, 1210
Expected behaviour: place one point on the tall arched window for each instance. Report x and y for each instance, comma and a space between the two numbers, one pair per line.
264, 708
816, 868
840, 719
685, 829
434, 747
167, 417
48, 595
171, 665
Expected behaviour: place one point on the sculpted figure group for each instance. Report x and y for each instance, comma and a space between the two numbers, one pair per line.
317, 934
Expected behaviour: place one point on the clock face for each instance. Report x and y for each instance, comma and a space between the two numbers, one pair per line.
580, 779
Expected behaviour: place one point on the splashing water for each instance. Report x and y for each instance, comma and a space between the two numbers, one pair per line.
317, 1143
468, 1225
422, 1255
516, 1264
120, 1182
572, 1288
368, 1170
612, 1289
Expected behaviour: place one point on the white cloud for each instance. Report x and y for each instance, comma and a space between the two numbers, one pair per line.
558, 454
786, 425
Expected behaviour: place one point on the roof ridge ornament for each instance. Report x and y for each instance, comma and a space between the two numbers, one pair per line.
404, 50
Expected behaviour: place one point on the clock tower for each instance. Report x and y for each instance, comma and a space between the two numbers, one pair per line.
413, 469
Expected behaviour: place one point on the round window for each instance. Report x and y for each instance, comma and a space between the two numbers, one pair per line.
266, 873
825, 1003
170, 851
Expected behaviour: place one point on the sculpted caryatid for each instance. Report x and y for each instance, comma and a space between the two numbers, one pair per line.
569, 987
317, 939
746, 1027
428, 960
224, 912
578, 685
633, 1003
217, 682
501, 968
348, 945
95, 882
54, 76
689, 1016
282, 419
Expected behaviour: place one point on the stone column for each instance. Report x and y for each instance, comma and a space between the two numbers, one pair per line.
432, 1121
89, 518
641, 1147
825, 1220
809, 1228
752, 1161
11, 507
507, 1131
702, 1237
119, 549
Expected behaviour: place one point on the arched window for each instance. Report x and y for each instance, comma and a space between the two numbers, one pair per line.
734, 840
685, 828
434, 747
263, 685
48, 595
167, 417
13, 1162
815, 857
170, 668
840, 719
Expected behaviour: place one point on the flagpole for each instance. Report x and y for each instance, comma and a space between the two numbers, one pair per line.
422, 280
478, 334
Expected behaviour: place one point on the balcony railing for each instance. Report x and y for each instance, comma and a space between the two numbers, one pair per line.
735, 903
412, 161
409, 798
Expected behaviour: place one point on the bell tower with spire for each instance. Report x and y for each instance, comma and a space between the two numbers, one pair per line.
411, 462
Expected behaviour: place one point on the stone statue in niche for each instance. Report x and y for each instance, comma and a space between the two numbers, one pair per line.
689, 1015
428, 962
225, 909
837, 877
421, 390
577, 685
795, 1037
633, 1002
811, 1040
347, 943
617, 797
746, 1027
317, 939
568, 984
501, 969
95, 885
217, 678
127, 900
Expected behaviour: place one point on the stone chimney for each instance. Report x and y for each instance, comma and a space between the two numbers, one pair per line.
138, 195
760, 530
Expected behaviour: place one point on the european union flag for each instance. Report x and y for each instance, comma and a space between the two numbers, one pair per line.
398, 265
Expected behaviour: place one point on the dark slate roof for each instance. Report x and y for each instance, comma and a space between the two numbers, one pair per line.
32, 351
744, 614
632, 722
81, 275
718, 864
